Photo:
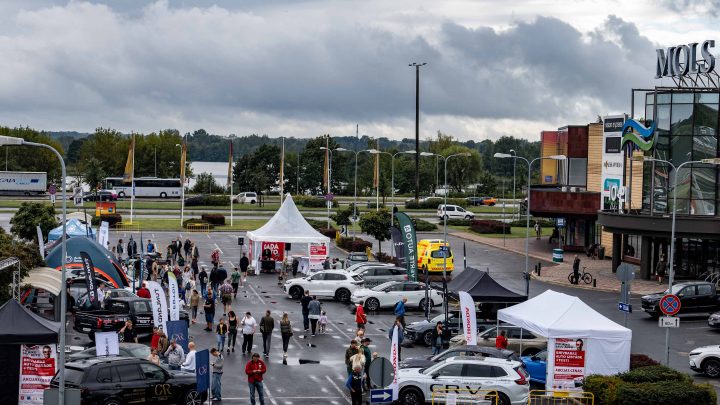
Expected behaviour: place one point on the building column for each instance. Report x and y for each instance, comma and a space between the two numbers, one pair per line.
617, 251
645, 257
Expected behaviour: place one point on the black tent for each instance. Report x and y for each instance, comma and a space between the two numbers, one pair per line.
482, 288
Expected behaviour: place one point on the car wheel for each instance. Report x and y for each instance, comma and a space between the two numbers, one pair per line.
427, 338
711, 368
422, 304
411, 396
252, 201
468, 217
191, 397
372, 304
121, 194
445, 217
296, 292
112, 401
503, 399
163, 195
492, 204
342, 295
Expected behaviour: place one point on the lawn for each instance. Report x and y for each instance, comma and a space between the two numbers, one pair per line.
516, 232
170, 224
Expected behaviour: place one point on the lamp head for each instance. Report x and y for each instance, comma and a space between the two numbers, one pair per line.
323, 148
426, 154
410, 152
557, 157
11, 140
341, 149
373, 151
499, 155
466, 154
712, 161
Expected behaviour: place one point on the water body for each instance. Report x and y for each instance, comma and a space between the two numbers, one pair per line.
218, 170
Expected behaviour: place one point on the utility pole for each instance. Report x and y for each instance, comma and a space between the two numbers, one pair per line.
417, 128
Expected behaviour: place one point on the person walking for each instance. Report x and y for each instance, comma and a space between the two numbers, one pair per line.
400, 310
355, 384
360, 317
175, 355
119, 249
235, 281
195, 268
221, 331
226, 294
295, 266
195, 252
150, 248
232, 331
501, 341
213, 278
255, 369
305, 302
267, 324
436, 338
209, 308
365, 348
244, 264
349, 353
143, 291
400, 336
576, 270
322, 322
314, 311
217, 372
186, 247
203, 278
286, 332
189, 363
660, 268
326, 264
538, 230
249, 325
194, 304
129, 333
132, 248
155, 338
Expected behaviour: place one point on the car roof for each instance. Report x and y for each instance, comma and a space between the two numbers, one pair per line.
485, 360
91, 361
331, 271
686, 283
130, 298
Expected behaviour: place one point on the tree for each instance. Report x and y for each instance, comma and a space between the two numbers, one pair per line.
342, 215
26, 252
487, 184
205, 184
93, 172
28, 216
462, 170
377, 225
31, 158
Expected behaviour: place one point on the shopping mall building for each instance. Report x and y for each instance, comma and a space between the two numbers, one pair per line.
616, 186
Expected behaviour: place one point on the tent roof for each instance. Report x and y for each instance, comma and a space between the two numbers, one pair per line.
46, 278
103, 261
553, 314
287, 225
482, 287
19, 325
74, 228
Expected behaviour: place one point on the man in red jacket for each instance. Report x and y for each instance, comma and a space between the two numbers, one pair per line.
360, 317
143, 292
255, 369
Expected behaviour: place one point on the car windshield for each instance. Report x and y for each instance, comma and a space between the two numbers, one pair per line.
675, 289
140, 352
383, 286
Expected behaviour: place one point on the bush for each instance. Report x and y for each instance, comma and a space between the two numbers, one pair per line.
111, 219
207, 200
489, 226
313, 202
316, 223
422, 225
196, 221
641, 360
329, 232
215, 219
358, 245
652, 374
372, 205
433, 203
668, 392
603, 388
459, 222
383, 257
545, 223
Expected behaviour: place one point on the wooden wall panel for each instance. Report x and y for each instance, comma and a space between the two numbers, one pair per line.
594, 168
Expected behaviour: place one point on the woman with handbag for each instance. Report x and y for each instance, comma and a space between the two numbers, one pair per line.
286, 332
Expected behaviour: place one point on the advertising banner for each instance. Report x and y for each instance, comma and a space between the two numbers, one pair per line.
317, 254
398, 246
613, 161
407, 229
467, 308
103, 234
159, 305
37, 368
394, 360
568, 371
90, 279
274, 250
107, 344
41, 242
202, 370
173, 296
178, 330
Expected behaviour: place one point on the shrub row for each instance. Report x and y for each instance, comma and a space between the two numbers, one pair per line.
312, 202
197, 221
111, 219
433, 203
422, 225
357, 245
545, 223
459, 222
489, 226
215, 219
207, 200
329, 232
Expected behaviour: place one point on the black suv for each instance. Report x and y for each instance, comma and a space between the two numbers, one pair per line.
123, 380
695, 297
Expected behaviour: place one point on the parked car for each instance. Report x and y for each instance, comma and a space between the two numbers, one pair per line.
338, 284
386, 295
714, 320
136, 350
246, 198
475, 201
706, 360
466, 351
421, 331
520, 340
101, 195
355, 267
82, 301
536, 366
122, 380
461, 376
695, 297
356, 257
375, 275
78, 288
453, 211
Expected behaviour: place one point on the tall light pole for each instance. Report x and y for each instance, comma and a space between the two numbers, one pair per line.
8, 141
512, 152
417, 127
671, 263
527, 211
328, 203
355, 194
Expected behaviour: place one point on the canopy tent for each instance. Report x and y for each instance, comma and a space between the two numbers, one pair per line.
82, 216
74, 228
46, 278
556, 315
19, 325
103, 261
482, 288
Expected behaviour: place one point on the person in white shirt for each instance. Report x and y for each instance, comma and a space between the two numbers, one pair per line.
101, 295
248, 329
189, 363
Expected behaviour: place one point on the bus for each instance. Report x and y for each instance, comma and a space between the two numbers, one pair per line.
146, 187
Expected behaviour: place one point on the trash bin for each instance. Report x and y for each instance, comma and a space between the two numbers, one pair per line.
601, 253
557, 255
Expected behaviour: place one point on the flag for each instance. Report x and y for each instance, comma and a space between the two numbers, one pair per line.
173, 296
129, 165
326, 168
394, 360
202, 370
158, 304
230, 164
399, 246
90, 281
282, 171
409, 238
467, 309
183, 158
178, 331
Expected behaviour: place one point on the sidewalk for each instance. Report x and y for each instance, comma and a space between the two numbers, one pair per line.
557, 273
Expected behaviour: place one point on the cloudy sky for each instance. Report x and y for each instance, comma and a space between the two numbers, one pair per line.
302, 68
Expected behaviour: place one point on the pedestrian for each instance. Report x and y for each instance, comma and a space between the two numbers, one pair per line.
154, 271
322, 322
221, 331
400, 336
175, 355
501, 341
215, 258
163, 344
576, 270
187, 276
203, 278
186, 247
155, 338
244, 264
286, 332
255, 369
360, 317
217, 372
326, 264
314, 312
538, 230
169, 253
209, 308
128, 332
232, 331
214, 283
305, 302
436, 338
226, 294
249, 325
660, 268
295, 266
267, 324
365, 348
235, 280
195, 268
195, 251
150, 247
355, 384
153, 357
349, 353
400, 310
177, 248
189, 363
358, 359
132, 248
194, 304
119, 249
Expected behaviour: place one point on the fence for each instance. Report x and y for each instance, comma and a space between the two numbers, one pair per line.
128, 226
202, 228
551, 397
462, 396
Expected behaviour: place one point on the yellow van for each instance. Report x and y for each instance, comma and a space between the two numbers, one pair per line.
431, 256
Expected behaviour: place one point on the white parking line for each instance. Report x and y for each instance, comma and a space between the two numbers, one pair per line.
330, 380
218, 248
256, 293
269, 395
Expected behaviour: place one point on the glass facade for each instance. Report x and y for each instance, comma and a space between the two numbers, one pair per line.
687, 129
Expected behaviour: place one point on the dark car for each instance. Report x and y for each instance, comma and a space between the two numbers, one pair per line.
695, 297
124, 380
468, 351
475, 201
136, 350
421, 331
102, 195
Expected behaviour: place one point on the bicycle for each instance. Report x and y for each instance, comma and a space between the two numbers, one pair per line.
584, 276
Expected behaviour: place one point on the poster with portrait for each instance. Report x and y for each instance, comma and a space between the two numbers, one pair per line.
318, 251
568, 370
274, 251
37, 368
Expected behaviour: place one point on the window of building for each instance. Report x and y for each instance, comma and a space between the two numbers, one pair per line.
577, 172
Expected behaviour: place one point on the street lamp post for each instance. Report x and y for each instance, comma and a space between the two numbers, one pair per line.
6, 141
417, 127
328, 203
512, 152
355, 193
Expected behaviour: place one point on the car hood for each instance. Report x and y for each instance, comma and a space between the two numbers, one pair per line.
362, 291
417, 362
653, 297
715, 348
409, 373
182, 375
418, 325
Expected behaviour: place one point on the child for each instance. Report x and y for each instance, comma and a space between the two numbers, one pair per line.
323, 322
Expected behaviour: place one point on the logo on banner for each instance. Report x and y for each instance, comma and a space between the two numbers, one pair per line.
643, 139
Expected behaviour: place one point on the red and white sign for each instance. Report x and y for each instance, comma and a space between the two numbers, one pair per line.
469, 322
276, 250
569, 364
670, 304
318, 254
37, 368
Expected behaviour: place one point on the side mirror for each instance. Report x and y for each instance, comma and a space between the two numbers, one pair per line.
680, 295
434, 375
486, 338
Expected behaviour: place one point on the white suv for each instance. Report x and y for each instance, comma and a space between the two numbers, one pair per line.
246, 198
453, 211
338, 284
468, 379
706, 360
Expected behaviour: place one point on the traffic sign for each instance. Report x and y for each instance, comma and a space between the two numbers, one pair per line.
625, 307
669, 322
381, 372
625, 273
381, 396
329, 197
670, 304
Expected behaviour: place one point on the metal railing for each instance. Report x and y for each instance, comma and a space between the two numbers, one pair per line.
200, 228
559, 397
462, 396
128, 226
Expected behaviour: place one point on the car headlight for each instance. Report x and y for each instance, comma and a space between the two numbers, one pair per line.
691, 354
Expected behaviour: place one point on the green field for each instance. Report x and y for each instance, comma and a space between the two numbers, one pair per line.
169, 224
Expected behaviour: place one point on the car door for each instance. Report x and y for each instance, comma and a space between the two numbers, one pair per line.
333, 281
156, 386
369, 276
537, 366
706, 297
414, 293
392, 294
317, 284
688, 299
447, 377
131, 382
477, 376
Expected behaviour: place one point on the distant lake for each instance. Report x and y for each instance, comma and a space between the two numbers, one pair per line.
217, 169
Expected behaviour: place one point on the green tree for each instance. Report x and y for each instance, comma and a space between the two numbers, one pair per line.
342, 215
205, 184
28, 216
26, 252
31, 158
462, 170
377, 225
487, 185
110, 148
93, 173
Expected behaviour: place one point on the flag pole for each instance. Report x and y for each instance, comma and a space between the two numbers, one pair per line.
230, 180
132, 196
282, 171
182, 179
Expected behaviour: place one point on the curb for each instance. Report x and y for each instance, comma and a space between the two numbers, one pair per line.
507, 249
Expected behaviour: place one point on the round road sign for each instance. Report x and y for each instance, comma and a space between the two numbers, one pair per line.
381, 372
670, 304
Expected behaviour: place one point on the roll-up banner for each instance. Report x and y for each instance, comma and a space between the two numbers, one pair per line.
407, 230
467, 308
173, 297
159, 305
90, 279
394, 360
37, 368
398, 246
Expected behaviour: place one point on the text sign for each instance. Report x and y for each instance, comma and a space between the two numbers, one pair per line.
670, 304
681, 60
623, 307
669, 322
381, 396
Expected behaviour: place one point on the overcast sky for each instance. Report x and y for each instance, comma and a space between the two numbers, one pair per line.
304, 68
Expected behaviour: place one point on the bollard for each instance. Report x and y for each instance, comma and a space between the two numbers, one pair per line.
594, 283
539, 268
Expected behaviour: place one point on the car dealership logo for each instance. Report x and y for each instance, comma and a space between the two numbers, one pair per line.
681, 60
642, 137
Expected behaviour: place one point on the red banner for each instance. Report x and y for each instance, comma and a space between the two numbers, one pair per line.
274, 250
37, 368
569, 367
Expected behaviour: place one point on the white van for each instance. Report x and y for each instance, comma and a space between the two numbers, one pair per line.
245, 198
453, 211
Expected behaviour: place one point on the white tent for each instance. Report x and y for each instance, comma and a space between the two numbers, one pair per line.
287, 226
560, 316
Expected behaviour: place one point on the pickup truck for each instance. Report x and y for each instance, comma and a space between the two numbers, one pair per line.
695, 297
117, 311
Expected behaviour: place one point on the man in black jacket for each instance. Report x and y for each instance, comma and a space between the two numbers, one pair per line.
305, 301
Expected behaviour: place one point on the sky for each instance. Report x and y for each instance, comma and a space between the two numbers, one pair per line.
304, 68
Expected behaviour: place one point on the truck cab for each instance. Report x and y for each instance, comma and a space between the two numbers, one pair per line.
431, 256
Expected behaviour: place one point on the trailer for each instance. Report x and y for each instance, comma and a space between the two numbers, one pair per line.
23, 183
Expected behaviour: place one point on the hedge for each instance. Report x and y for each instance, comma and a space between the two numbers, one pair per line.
358, 245
207, 200
111, 219
433, 203
383, 257
317, 224
196, 221
545, 223
215, 219
422, 225
489, 226
651, 374
312, 202
329, 232
459, 222
641, 360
